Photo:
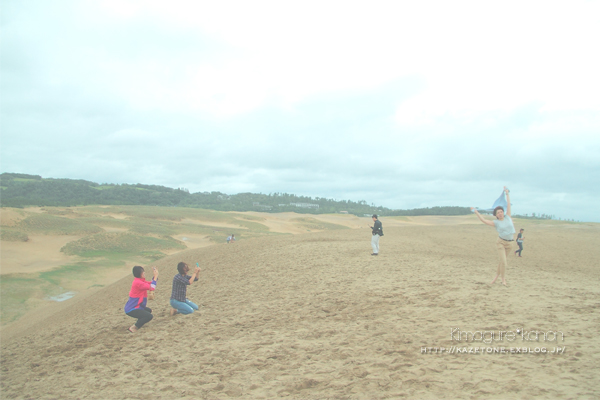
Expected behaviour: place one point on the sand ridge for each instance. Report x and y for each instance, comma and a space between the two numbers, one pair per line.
42, 252
292, 222
11, 217
315, 316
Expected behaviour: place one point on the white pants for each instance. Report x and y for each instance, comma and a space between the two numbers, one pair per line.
375, 243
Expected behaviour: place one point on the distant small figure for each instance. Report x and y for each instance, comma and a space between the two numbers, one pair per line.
377, 231
136, 305
506, 230
520, 242
179, 301
231, 238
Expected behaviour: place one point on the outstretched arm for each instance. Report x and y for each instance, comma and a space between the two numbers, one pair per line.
485, 221
195, 275
507, 201
154, 278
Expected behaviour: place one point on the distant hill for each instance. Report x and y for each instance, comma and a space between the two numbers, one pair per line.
22, 190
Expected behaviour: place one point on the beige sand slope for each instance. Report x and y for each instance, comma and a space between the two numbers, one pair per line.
315, 316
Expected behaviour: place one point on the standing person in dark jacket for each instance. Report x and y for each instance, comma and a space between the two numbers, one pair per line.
179, 301
136, 305
520, 242
377, 230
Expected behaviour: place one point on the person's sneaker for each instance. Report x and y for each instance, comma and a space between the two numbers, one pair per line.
173, 311
373, 254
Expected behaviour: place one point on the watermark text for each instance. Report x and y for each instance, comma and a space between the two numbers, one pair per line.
493, 350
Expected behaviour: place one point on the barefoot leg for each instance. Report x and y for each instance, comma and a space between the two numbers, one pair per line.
503, 251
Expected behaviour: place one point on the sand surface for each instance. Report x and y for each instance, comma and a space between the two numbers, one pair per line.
39, 253
315, 316
194, 241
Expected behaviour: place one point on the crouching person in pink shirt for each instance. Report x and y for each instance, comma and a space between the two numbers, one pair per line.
136, 305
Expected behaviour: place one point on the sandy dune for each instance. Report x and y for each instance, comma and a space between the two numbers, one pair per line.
194, 241
292, 222
315, 316
10, 217
42, 252
39, 253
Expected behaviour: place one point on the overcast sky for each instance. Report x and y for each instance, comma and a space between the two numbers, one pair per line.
402, 104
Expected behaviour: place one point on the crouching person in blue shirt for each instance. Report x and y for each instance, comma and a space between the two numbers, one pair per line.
179, 301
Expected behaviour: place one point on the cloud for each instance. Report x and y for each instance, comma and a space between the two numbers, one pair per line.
402, 104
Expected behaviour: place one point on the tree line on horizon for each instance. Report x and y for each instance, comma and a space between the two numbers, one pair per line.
23, 190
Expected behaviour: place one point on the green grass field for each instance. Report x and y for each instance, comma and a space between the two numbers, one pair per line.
105, 243
12, 235
46, 224
22, 292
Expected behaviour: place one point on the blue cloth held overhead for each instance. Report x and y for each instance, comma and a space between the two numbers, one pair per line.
500, 201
